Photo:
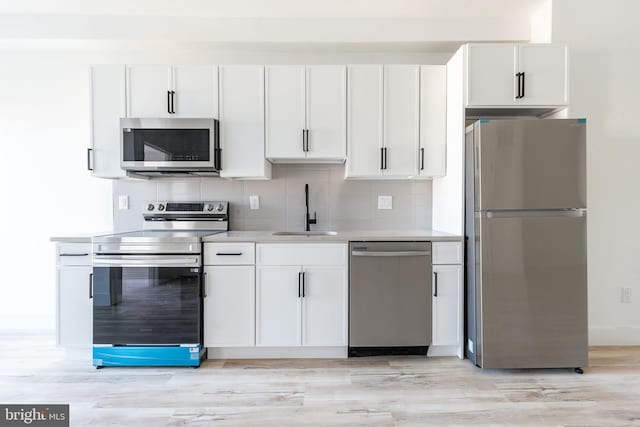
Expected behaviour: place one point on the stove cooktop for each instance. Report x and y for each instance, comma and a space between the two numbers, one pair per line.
157, 236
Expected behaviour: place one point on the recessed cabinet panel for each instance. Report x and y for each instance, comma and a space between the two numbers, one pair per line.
433, 120
324, 306
545, 74
364, 120
326, 112
196, 91
148, 88
491, 76
285, 111
75, 306
278, 306
401, 120
447, 304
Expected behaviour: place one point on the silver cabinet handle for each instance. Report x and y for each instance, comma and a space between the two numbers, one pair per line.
391, 253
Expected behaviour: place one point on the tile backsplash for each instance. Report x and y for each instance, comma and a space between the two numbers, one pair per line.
340, 204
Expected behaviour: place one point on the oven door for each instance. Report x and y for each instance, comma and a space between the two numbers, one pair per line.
147, 300
169, 144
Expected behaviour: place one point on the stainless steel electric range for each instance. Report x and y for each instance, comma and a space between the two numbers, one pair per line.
147, 287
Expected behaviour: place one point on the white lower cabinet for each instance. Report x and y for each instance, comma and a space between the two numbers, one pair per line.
74, 295
229, 301
278, 306
301, 305
447, 307
447, 300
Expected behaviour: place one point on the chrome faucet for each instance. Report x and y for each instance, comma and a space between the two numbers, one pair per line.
308, 219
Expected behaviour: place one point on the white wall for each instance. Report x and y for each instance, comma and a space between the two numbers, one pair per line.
44, 134
604, 57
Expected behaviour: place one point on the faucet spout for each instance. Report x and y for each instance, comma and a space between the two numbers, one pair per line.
308, 220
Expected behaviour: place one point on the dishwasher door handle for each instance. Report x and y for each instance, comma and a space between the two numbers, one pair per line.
391, 253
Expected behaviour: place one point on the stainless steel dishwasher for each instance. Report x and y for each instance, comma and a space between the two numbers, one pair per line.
389, 298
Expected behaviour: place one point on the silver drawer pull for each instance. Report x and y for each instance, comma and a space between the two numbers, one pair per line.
391, 253
74, 254
229, 254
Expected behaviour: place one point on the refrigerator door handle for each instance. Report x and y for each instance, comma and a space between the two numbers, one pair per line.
508, 213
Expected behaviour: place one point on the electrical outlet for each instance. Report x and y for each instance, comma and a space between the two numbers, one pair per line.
254, 202
123, 202
385, 202
626, 295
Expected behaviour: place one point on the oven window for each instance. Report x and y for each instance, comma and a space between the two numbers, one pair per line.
166, 145
146, 305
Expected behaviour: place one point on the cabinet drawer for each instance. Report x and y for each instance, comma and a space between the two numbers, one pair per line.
229, 253
447, 252
302, 254
73, 254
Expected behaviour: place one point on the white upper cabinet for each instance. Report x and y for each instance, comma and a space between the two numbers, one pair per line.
149, 90
545, 74
285, 111
306, 113
491, 78
401, 120
433, 120
107, 107
326, 112
172, 91
364, 118
195, 91
507, 75
242, 122
384, 120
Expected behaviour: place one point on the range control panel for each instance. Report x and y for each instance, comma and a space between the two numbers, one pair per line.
162, 207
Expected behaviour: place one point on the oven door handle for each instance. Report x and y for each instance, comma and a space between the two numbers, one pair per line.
145, 261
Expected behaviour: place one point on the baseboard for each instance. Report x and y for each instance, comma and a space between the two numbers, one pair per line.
443, 350
277, 352
614, 335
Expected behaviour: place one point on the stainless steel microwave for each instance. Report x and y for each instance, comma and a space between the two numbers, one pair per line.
155, 146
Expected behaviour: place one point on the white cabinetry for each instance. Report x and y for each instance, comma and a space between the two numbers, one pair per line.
229, 295
172, 91
301, 295
433, 121
507, 75
74, 314
383, 121
107, 107
447, 299
242, 122
306, 113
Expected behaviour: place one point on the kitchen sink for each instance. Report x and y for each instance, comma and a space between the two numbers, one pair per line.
305, 233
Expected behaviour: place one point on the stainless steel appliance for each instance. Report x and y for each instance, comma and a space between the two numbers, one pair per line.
161, 147
525, 227
147, 287
389, 298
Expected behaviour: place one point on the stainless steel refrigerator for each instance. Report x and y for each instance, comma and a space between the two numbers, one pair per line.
525, 229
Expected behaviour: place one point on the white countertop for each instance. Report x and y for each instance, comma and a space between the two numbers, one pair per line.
341, 236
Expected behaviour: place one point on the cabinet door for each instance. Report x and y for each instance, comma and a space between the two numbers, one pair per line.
401, 119
242, 122
229, 306
196, 91
324, 312
364, 120
433, 120
278, 296
447, 304
491, 70
148, 89
75, 306
545, 74
285, 107
326, 99
107, 107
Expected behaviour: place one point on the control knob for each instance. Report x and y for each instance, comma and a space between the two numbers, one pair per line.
220, 207
209, 207
160, 207
150, 207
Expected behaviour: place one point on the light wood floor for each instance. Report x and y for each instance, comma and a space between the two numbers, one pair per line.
383, 391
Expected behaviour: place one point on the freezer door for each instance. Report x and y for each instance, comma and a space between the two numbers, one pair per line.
530, 164
533, 285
